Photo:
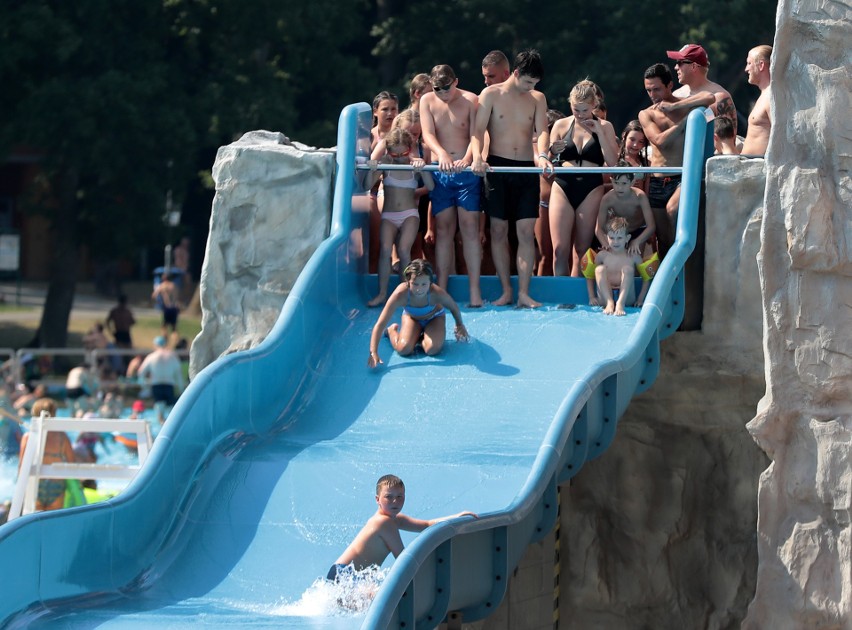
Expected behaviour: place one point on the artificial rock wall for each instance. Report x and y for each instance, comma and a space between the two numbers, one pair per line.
660, 531
271, 210
804, 421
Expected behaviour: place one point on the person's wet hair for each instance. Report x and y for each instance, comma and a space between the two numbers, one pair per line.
659, 71
633, 125
418, 267
615, 224
528, 63
398, 136
442, 75
418, 84
724, 128
384, 96
410, 116
552, 116
389, 481
585, 91
623, 164
495, 58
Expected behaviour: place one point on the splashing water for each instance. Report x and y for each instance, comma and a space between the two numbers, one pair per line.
351, 594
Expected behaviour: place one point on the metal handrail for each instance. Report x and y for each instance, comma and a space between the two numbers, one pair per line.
129, 352
665, 170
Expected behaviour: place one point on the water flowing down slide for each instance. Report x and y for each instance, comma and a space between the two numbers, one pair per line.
267, 466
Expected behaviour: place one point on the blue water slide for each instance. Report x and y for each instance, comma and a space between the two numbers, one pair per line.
266, 468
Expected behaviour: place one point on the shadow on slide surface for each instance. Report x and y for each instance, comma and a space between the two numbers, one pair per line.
266, 468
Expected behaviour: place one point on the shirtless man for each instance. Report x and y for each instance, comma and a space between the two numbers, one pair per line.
166, 298
759, 123
664, 124
495, 68
513, 112
692, 65
447, 116
119, 321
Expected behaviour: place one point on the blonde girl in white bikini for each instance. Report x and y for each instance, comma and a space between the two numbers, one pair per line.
400, 217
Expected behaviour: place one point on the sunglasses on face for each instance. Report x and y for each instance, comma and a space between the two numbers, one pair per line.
683, 63
442, 88
399, 155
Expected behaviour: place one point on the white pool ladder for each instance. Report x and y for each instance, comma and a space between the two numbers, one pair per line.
33, 469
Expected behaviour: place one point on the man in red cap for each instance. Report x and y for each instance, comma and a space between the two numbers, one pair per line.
664, 124
692, 65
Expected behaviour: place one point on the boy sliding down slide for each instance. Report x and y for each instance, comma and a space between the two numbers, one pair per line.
380, 535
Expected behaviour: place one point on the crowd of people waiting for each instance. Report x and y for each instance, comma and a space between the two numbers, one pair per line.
476, 221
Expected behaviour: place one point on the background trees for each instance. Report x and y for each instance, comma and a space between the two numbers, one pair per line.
127, 102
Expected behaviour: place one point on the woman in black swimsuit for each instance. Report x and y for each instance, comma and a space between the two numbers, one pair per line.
579, 140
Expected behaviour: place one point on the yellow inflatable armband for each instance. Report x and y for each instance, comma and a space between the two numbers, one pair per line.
648, 268
587, 264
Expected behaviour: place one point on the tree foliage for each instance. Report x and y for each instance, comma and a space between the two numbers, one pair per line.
610, 41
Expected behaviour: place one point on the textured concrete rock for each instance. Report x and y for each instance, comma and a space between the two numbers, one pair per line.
733, 311
660, 531
805, 417
271, 210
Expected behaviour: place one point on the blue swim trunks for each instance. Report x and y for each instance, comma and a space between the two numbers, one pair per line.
455, 189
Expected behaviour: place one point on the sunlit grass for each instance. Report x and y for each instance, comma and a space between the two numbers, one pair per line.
17, 334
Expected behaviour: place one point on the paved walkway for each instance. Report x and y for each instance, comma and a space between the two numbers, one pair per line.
86, 302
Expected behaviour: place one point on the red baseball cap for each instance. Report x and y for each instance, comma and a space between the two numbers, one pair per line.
692, 53
138, 405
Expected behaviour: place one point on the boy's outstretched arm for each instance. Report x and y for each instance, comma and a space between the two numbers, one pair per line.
410, 524
452, 516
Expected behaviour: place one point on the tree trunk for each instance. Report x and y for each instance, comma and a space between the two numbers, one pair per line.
53, 330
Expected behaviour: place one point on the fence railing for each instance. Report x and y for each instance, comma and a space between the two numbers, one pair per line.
14, 361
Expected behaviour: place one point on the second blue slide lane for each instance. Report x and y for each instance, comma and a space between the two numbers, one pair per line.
267, 466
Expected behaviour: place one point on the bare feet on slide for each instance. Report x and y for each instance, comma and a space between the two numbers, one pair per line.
377, 301
503, 300
525, 301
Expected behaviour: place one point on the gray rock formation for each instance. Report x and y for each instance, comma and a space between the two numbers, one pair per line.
271, 211
804, 422
659, 532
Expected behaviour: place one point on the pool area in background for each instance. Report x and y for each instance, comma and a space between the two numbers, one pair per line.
108, 451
